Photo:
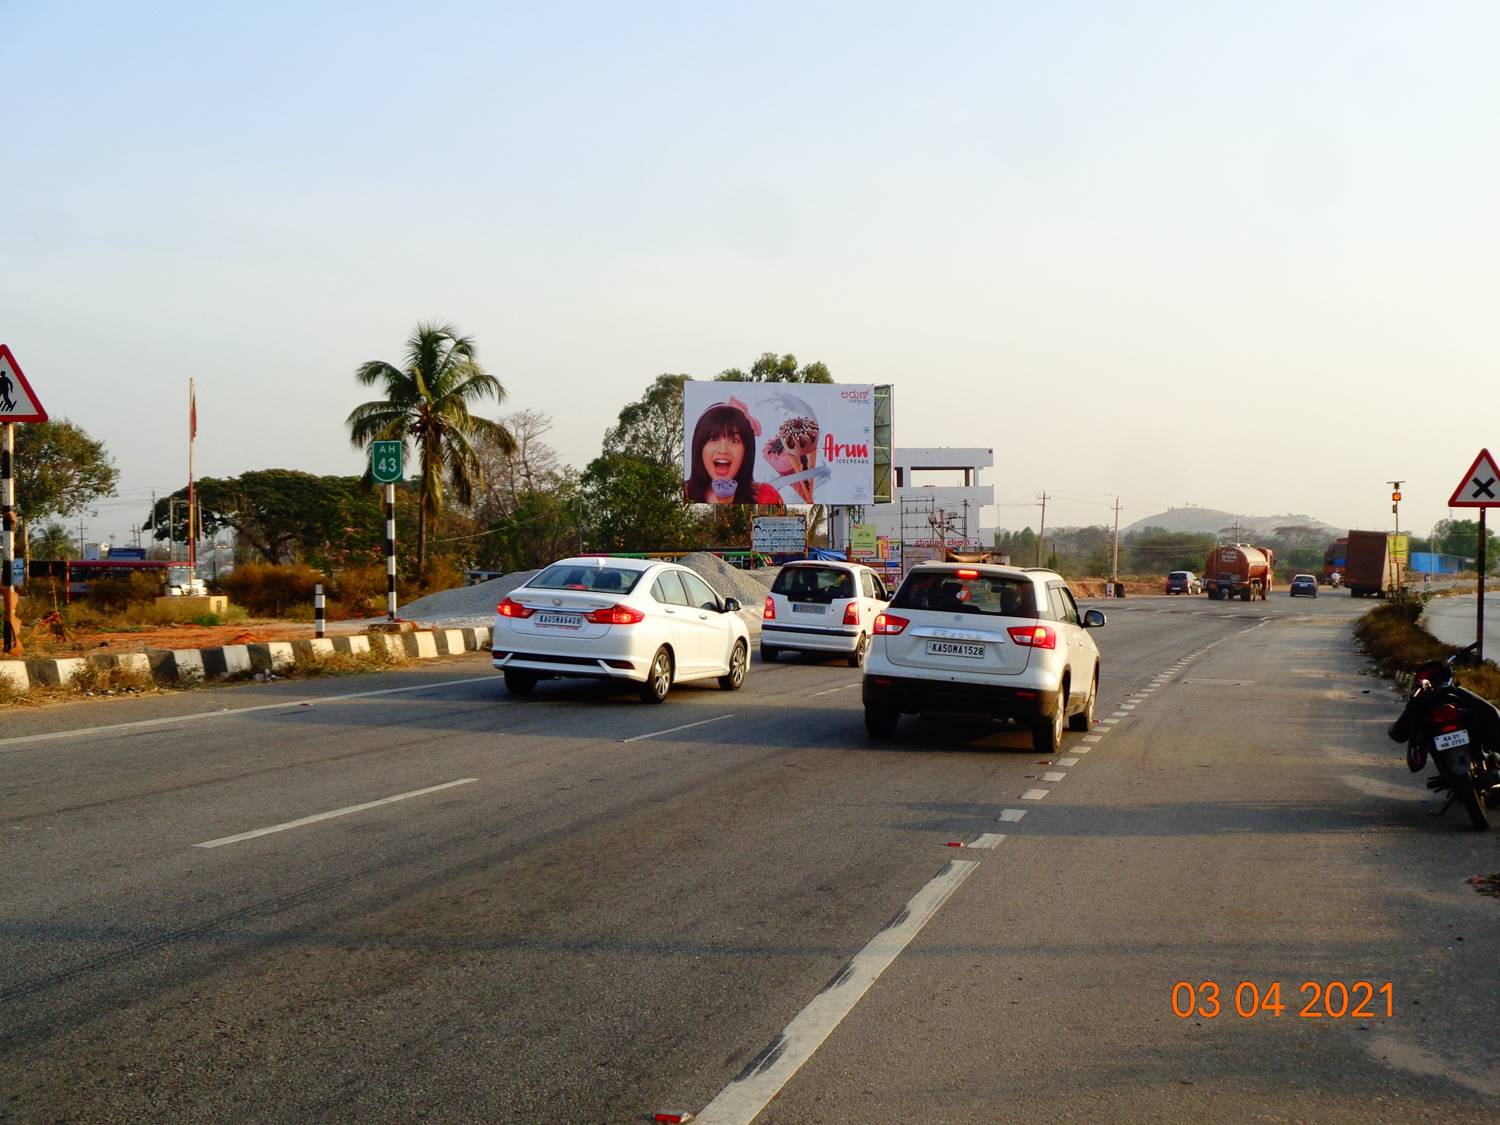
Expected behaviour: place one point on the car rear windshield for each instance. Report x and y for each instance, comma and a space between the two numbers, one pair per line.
599, 579
946, 590
1179, 575
814, 584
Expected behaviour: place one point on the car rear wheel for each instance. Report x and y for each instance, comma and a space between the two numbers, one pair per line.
659, 681
1084, 720
519, 682
880, 722
1047, 735
739, 660
861, 648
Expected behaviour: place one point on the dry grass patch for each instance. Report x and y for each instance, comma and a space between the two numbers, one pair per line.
1390, 634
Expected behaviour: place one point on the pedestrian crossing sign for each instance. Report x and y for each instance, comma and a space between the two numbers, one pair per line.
18, 402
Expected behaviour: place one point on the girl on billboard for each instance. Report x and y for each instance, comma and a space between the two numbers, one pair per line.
723, 459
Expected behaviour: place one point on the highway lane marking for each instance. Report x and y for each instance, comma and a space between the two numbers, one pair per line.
1067, 761
830, 691
986, 841
1120, 714
1095, 737
1034, 794
1076, 750
1053, 775
1011, 815
226, 712
741, 1101
674, 730
256, 832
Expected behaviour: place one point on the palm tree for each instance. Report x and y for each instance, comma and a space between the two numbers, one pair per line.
426, 404
54, 543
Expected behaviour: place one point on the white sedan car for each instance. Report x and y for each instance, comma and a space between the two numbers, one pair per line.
652, 623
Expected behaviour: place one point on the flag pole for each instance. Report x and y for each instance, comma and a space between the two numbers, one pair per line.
192, 493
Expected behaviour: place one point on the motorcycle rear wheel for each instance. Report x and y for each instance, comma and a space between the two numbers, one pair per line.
1473, 805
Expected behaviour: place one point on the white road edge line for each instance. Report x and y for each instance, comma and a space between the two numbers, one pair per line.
251, 835
674, 730
229, 713
741, 1101
842, 687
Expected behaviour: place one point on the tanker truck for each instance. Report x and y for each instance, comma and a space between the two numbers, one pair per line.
1238, 572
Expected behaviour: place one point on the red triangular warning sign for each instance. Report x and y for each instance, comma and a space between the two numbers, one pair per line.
1480, 487
18, 402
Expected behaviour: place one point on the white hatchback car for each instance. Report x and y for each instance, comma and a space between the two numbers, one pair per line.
648, 622
990, 640
822, 607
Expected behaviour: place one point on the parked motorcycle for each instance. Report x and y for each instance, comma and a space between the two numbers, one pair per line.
1459, 732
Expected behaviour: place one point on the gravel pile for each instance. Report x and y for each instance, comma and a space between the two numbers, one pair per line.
467, 605
748, 586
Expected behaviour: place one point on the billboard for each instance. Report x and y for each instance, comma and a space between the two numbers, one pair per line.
778, 443
779, 535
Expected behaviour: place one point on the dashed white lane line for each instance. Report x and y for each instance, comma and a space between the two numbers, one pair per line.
231, 712
251, 835
1119, 714
762, 1079
1034, 794
830, 691
986, 842
1053, 775
1076, 750
674, 730
1067, 761
1107, 722
1093, 738
1011, 815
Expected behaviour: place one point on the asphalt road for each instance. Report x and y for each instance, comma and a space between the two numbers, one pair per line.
583, 908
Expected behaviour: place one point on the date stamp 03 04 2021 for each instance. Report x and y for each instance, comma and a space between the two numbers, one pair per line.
1317, 1000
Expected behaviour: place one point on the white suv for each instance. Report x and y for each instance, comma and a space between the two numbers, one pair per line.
822, 607
990, 640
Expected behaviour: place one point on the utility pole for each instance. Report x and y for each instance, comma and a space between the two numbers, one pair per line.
1114, 565
1042, 498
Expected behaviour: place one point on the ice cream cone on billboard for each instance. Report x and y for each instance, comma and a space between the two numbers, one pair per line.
799, 439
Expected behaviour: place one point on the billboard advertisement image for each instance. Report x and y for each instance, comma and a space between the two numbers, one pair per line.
778, 443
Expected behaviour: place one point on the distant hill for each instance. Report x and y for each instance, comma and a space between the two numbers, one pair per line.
1211, 521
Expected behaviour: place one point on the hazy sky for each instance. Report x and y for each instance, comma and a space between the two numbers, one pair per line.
1239, 255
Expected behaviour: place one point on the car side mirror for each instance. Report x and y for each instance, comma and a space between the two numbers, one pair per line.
1094, 619
731, 605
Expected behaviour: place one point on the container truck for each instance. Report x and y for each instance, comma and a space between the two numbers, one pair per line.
1373, 567
1238, 571
1335, 560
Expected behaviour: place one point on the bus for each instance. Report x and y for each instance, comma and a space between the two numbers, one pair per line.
73, 578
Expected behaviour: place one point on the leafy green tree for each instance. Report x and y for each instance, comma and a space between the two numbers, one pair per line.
771, 368
60, 471
651, 427
1020, 545
1155, 550
634, 504
426, 404
1461, 537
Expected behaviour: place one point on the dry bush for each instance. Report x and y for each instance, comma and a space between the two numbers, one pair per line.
358, 591
1397, 644
93, 679
271, 591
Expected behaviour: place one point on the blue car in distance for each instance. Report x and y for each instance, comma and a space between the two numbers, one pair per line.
1304, 584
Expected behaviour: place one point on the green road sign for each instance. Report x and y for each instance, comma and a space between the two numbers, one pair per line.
385, 461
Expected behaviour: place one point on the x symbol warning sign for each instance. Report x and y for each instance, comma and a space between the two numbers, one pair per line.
1478, 487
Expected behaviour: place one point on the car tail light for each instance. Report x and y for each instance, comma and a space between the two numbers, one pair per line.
770, 610
1034, 636
851, 614
888, 624
615, 615
968, 574
1444, 715
508, 608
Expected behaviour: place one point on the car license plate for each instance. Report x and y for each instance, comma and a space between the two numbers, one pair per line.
1451, 739
955, 648
804, 607
560, 620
